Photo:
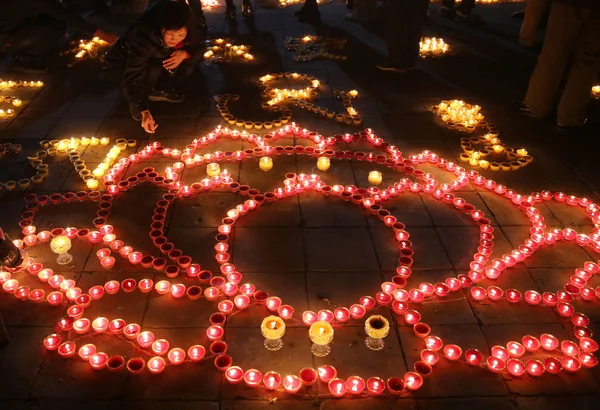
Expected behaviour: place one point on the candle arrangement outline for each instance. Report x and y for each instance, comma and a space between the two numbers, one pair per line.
309, 47
86, 49
555, 355
280, 100
36, 162
486, 151
14, 102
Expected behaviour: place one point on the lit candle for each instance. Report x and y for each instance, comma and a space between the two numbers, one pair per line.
375, 178
498, 148
321, 334
273, 329
377, 327
92, 183
104, 141
323, 163
213, 169
522, 152
292, 384
266, 164
353, 93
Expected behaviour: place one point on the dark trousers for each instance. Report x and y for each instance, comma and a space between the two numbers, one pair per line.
465, 5
229, 3
35, 38
157, 78
405, 21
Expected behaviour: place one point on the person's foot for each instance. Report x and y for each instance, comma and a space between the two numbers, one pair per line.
447, 12
520, 15
522, 107
393, 69
246, 9
29, 68
166, 96
466, 17
230, 12
572, 127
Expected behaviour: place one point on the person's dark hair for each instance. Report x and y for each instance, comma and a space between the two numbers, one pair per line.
173, 16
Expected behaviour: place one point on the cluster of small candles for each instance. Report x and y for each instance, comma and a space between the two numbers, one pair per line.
222, 101
36, 161
309, 48
547, 353
14, 101
210, 4
432, 47
457, 113
222, 50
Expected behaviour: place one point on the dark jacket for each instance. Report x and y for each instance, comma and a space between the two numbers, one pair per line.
593, 5
142, 44
13, 13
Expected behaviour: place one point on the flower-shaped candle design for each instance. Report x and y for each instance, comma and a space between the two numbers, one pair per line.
273, 329
377, 327
321, 334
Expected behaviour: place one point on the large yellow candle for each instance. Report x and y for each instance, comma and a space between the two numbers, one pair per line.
213, 169
272, 327
321, 333
92, 183
323, 163
266, 164
375, 178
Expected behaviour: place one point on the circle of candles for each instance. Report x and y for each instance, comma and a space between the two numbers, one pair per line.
308, 376
272, 380
337, 387
252, 378
291, 384
156, 364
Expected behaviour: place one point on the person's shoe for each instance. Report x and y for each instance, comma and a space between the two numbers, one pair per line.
519, 15
447, 12
523, 108
466, 17
230, 13
29, 68
393, 69
166, 96
246, 9
575, 127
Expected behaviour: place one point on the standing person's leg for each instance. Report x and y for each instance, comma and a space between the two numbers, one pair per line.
535, 11
583, 72
563, 28
229, 9
196, 6
310, 9
35, 40
405, 21
465, 7
447, 8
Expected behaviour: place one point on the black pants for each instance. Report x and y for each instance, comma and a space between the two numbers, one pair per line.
35, 38
465, 6
157, 78
405, 21
229, 3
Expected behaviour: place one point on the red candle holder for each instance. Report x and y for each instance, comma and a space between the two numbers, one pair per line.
272, 380
223, 362
196, 353
234, 374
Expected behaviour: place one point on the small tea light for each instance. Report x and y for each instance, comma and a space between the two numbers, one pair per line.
323, 163
213, 169
17, 102
375, 178
104, 141
321, 334
266, 164
92, 183
522, 152
498, 148
273, 329
353, 93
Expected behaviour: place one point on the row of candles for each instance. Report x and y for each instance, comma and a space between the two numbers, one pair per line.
220, 50
13, 100
308, 48
222, 101
15, 84
397, 297
36, 161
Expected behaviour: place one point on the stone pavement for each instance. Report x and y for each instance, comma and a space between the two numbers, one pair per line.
313, 252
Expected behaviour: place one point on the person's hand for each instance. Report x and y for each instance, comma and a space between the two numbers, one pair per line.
177, 57
110, 38
148, 123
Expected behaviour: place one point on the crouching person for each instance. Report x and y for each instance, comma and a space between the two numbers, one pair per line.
156, 53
